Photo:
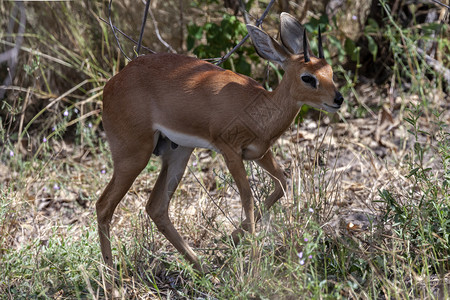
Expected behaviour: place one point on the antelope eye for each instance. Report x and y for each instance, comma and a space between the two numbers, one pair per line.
309, 80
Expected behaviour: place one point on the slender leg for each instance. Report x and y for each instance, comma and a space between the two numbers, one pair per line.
268, 163
174, 163
126, 168
237, 169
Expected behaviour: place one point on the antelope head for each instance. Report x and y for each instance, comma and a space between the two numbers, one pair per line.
309, 78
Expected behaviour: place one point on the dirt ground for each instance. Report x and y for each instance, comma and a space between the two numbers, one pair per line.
361, 156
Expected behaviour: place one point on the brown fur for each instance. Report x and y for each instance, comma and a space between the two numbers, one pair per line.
194, 103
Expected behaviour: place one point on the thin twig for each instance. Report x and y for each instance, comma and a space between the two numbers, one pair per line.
221, 60
126, 36
258, 22
114, 31
158, 35
244, 11
144, 20
212, 198
440, 3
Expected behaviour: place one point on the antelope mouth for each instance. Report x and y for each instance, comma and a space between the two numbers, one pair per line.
331, 108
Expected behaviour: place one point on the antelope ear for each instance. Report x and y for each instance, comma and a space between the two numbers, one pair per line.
267, 47
291, 33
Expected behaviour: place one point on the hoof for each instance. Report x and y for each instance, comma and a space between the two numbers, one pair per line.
201, 268
112, 292
237, 236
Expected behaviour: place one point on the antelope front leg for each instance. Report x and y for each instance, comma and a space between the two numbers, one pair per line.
268, 163
236, 166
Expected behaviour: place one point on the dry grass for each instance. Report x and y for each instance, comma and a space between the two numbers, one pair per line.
336, 169
371, 223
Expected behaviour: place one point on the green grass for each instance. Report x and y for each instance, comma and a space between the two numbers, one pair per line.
60, 265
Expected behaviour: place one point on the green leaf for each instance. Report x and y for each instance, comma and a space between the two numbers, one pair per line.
350, 49
430, 27
190, 42
195, 31
372, 26
242, 66
336, 43
413, 172
373, 47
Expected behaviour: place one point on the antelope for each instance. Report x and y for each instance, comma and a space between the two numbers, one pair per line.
169, 104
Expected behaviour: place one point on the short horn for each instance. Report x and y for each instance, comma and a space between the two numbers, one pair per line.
320, 45
305, 46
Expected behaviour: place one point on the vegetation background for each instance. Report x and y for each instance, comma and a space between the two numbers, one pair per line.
366, 213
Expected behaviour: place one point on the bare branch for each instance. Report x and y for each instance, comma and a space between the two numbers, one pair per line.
158, 35
144, 20
114, 31
442, 4
11, 56
244, 11
435, 64
258, 22
126, 36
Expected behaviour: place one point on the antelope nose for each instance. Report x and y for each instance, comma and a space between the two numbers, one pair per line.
338, 99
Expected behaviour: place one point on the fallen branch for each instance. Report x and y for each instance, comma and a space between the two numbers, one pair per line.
435, 64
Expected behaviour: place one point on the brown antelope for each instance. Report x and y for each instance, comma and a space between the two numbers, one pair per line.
169, 104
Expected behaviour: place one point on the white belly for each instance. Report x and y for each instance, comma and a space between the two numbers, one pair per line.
185, 140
